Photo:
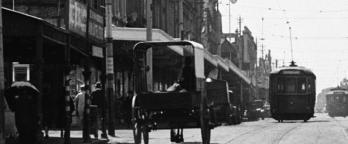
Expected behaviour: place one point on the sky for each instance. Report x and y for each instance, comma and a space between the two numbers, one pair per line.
319, 30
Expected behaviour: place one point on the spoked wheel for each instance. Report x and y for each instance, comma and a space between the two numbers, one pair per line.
137, 132
204, 119
139, 129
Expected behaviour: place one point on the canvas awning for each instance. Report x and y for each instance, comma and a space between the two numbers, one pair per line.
238, 71
221, 63
139, 34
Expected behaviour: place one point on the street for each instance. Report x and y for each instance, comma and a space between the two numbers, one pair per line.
319, 130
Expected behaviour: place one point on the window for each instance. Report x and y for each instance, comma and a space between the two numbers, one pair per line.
290, 85
301, 85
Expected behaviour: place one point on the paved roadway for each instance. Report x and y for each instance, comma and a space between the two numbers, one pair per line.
319, 130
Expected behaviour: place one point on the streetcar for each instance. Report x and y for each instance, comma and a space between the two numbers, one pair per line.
292, 93
185, 104
337, 102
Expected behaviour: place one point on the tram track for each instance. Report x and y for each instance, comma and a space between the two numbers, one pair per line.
344, 128
283, 128
252, 132
285, 133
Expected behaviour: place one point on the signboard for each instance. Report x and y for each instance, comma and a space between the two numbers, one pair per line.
77, 17
20, 72
96, 25
110, 65
97, 51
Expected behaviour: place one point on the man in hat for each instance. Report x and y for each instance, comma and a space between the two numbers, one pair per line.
98, 99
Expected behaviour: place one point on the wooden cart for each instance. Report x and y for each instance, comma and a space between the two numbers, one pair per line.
175, 110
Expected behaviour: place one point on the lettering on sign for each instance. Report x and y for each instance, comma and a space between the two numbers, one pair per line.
96, 25
77, 17
109, 65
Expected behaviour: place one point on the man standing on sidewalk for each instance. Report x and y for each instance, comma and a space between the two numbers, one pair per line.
98, 98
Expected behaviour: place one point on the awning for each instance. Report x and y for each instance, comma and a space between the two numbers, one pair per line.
221, 63
139, 34
210, 58
238, 71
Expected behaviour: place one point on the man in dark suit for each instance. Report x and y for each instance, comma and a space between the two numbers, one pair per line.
98, 99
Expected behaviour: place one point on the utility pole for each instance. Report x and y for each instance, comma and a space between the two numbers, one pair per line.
205, 32
229, 17
181, 20
292, 55
149, 38
240, 25
110, 84
2, 84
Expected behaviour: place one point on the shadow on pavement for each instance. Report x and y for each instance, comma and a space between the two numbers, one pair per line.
310, 121
54, 140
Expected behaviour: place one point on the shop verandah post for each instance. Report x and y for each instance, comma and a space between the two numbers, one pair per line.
2, 84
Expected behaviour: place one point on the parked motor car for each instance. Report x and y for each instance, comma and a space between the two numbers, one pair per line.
255, 110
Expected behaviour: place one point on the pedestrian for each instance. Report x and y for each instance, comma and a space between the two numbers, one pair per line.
188, 77
22, 99
98, 99
83, 114
80, 100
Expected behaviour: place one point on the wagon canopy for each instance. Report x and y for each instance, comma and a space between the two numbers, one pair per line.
182, 48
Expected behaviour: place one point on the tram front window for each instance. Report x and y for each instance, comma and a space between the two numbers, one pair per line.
292, 85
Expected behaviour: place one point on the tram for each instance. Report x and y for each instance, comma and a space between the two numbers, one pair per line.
337, 102
292, 93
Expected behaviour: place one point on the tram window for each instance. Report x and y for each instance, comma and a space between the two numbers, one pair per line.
280, 85
290, 85
301, 84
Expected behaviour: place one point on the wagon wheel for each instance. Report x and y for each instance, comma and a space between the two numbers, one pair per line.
146, 136
204, 120
136, 126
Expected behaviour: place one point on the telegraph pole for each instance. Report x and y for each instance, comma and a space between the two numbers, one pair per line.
2, 84
149, 38
181, 19
110, 84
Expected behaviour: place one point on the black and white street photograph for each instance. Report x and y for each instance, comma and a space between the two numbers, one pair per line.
173, 72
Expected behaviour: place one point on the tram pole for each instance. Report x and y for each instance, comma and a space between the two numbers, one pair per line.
110, 84
2, 84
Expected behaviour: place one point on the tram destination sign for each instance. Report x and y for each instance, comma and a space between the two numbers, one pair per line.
291, 72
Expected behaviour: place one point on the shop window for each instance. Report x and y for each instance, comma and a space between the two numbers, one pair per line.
20, 72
